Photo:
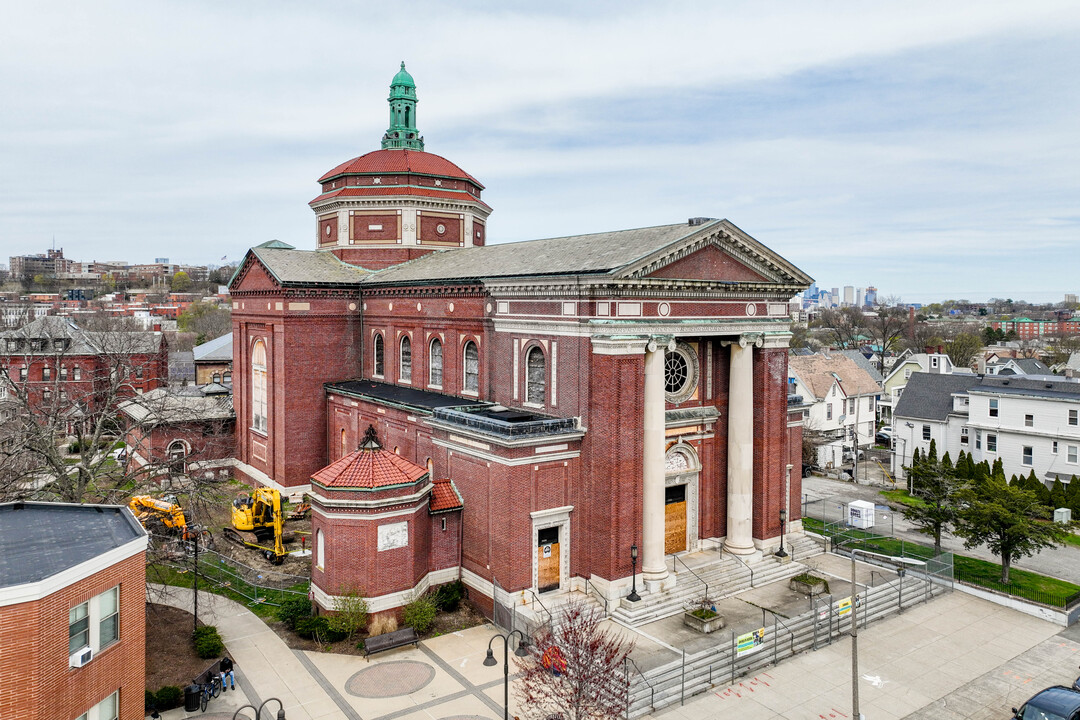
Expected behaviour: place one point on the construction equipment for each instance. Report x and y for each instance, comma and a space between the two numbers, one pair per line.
257, 522
164, 518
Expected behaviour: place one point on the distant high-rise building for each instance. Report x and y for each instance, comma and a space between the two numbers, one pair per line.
835, 296
871, 296
1071, 298
860, 297
849, 295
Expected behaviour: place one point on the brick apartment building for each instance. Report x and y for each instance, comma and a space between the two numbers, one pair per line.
550, 403
56, 367
72, 612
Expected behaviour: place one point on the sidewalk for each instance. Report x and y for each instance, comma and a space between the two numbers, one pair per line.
265, 666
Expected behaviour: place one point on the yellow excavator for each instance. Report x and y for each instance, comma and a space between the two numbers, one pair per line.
257, 522
161, 517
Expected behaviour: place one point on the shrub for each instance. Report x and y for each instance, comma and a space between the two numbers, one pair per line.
351, 610
448, 597
208, 642
148, 701
292, 609
168, 697
318, 629
382, 624
420, 614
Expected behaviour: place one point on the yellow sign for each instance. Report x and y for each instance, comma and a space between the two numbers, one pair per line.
750, 641
844, 606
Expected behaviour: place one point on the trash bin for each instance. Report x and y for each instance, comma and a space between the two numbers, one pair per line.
191, 698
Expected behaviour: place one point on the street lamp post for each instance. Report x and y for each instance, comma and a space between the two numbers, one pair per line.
633, 596
258, 711
783, 524
490, 661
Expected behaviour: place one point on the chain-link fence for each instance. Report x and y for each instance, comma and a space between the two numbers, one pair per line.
226, 576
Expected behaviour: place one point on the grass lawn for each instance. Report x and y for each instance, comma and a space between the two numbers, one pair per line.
238, 590
901, 497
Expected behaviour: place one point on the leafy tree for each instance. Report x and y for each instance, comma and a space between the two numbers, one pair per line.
991, 336
963, 348
181, 282
1007, 519
936, 483
207, 320
575, 670
350, 612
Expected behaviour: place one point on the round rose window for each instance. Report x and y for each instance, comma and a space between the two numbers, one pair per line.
680, 373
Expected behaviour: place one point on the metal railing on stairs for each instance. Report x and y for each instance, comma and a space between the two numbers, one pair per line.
537, 601
627, 662
747, 567
592, 591
676, 558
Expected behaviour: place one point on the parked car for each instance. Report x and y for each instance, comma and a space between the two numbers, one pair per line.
884, 435
1053, 703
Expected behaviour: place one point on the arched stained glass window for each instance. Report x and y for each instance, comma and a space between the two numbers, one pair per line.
435, 363
258, 386
535, 377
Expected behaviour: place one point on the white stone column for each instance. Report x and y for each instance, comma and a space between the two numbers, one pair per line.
653, 569
740, 469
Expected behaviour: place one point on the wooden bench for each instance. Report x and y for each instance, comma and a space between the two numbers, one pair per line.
391, 640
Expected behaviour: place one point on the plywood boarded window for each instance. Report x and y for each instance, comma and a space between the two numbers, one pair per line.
472, 367
435, 363
405, 360
535, 376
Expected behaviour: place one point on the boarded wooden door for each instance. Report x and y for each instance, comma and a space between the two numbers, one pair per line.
674, 519
547, 559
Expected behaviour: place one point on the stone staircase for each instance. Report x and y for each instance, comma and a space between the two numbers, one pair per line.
724, 574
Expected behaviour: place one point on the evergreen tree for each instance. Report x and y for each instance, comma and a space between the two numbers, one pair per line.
1057, 494
936, 484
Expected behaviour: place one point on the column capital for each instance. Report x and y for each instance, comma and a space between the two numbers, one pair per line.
756, 339
660, 341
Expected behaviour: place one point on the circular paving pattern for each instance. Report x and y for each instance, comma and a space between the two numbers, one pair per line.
390, 679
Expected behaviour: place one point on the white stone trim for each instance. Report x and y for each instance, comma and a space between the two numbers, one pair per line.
528, 460
368, 516
391, 600
542, 520
28, 592
371, 504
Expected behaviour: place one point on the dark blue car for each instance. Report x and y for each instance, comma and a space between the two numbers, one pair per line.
1053, 703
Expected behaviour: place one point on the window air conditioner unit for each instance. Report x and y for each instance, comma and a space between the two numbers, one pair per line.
81, 657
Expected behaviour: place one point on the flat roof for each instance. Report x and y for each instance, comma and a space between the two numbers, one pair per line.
386, 393
39, 540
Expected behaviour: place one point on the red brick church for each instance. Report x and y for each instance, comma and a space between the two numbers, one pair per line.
518, 415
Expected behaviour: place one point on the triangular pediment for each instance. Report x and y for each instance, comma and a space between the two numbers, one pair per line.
719, 253
253, 276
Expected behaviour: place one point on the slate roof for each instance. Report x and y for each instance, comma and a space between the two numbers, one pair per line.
928, 396
306, 267
216, 350
598, 253
82, 342
864, 362
1032, 387
39, 540
165, 405
817, 373
445, 497
369, 469
1032, 366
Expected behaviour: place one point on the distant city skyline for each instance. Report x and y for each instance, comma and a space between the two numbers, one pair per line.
926, 147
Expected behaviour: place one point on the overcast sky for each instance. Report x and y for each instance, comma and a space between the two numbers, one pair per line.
928, 148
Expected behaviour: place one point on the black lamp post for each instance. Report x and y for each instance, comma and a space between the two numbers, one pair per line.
490, 661
258, 712
783, 524
633, 596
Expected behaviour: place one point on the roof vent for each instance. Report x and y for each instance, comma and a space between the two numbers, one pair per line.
695, 221
1004, 382
1049, 386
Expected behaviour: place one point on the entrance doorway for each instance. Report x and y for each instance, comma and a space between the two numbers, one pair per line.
674, 519
547, 559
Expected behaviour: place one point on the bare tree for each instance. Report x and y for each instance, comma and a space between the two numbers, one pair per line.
841, 327
1061, 346
575, 670
886, 327
963, 348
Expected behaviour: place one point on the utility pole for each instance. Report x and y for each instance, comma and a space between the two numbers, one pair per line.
195, 621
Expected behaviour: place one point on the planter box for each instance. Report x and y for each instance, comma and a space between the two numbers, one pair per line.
807, 588
704, 626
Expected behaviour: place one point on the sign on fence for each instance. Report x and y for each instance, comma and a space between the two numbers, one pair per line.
844, 606
749, 642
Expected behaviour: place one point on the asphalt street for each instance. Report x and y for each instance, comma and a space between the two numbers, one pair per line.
827, 496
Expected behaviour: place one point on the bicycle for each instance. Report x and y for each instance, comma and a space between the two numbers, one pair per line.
209, 690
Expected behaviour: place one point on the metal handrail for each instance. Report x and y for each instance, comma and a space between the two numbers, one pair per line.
745, 566
626, 672
590, 589
550, 620
696, 576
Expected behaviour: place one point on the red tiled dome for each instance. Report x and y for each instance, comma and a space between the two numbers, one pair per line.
400, 161
366, 468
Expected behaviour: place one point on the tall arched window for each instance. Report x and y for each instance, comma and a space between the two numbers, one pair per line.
378, 343
435, 363
344, 449
258, 386
320, 550
405, 360
472, 367
535, 376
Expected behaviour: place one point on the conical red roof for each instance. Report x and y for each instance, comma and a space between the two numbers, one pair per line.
369, 468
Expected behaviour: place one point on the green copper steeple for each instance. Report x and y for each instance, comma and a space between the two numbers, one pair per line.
402, 132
